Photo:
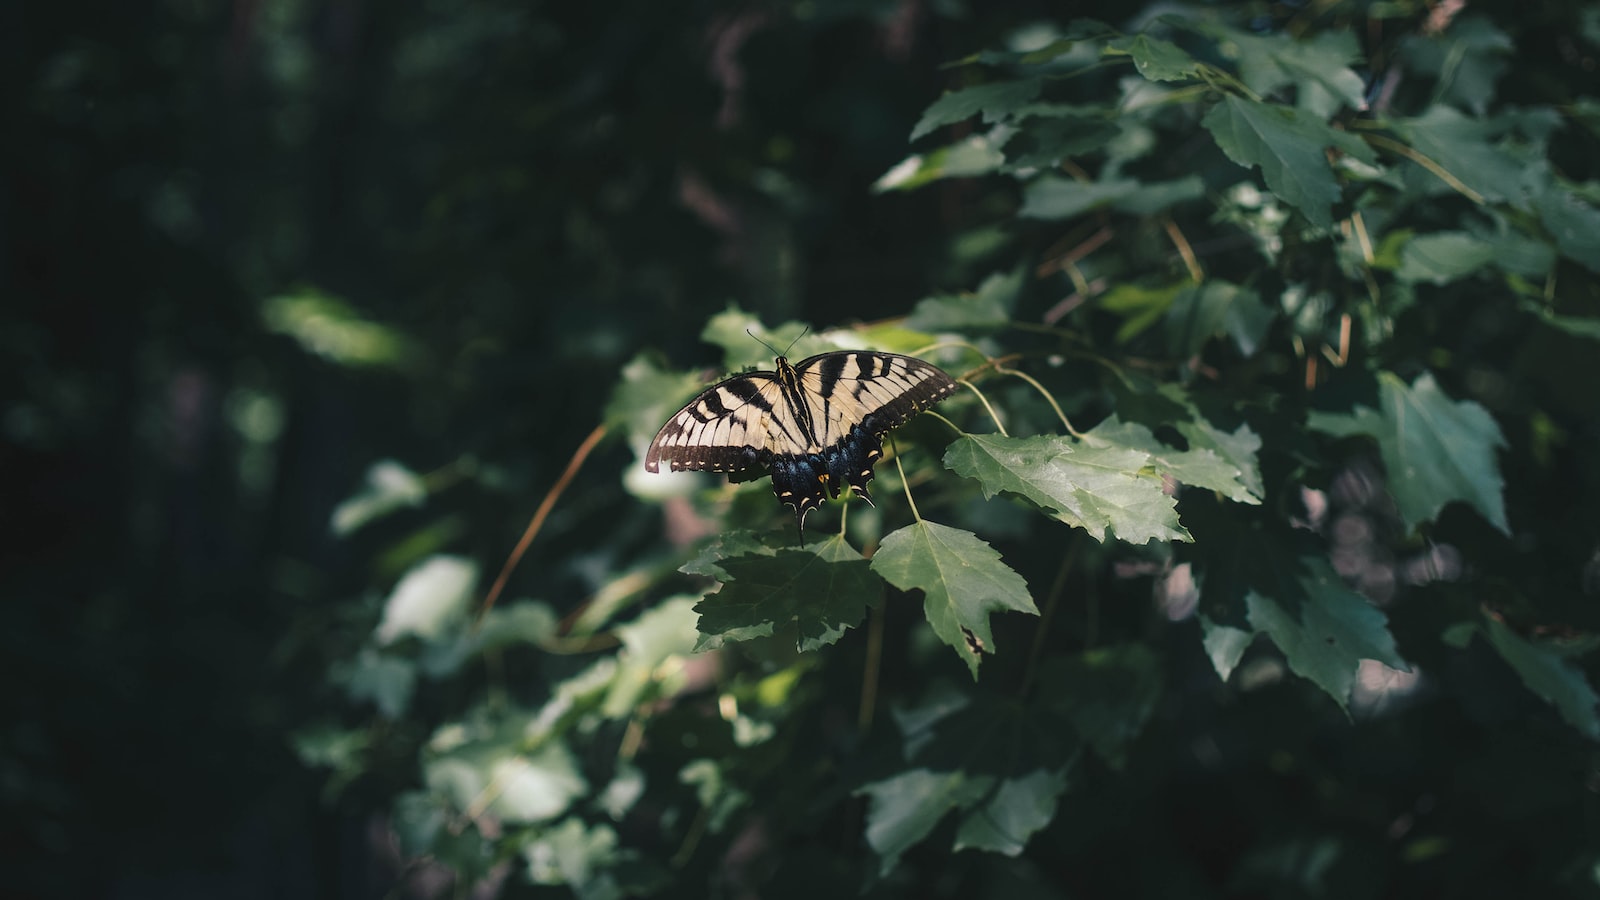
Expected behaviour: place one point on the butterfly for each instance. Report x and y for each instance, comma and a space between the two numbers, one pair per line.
816, 425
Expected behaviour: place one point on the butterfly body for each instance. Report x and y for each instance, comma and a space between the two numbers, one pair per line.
816, 425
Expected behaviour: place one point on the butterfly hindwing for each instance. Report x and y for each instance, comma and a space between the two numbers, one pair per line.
816, 426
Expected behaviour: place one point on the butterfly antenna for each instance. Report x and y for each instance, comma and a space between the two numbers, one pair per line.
774, 350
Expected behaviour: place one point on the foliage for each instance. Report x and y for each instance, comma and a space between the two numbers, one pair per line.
1300, 308
1256, 548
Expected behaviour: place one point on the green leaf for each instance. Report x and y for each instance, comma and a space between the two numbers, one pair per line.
1054, 197
988, 307
429, 601
658, 634
1216, 308
811, 595
977, 154
1466, 59
1324, 629
1549, 675
1319, 68
1224, 645
1096, 489
646, 396
1240, 447
1288, 146
527, 787
904, 808
1574, 224
1140, 305
963, 579
1444, 257
574, 854
992, 100
1198, 466
1156, 59
1055, 132
1577, 326
1011, 812
1435, 450
1462, 147
390, 487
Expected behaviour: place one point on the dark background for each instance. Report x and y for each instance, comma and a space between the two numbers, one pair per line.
524, 194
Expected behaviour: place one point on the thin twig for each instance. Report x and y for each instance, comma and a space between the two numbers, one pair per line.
573, 465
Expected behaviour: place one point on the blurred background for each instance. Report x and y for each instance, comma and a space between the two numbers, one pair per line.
251, 248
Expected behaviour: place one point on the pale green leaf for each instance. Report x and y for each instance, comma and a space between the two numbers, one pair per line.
977, 154
1224, 645
1198, 466
1097, 489
430, 599
1444, 257
390, 487
1240, 447
963, 581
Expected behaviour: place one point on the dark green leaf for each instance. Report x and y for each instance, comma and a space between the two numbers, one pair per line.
1011, 812
1574, 224
1107, 694
1156, 59
809, 595
963, 579
1213, 309
988, 307
1444, 257
992, 100
1318, 69
1546, 673
905, 808
1324, 629
1288, 146
1435, 450
1462, 147
1052, 197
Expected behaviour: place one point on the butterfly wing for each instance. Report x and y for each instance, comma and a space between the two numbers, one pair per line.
854, 398
729, 427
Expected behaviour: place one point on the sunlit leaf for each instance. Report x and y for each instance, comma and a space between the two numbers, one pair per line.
962, 578
1198, 466
976, 154
1097, 489
332, 329
659, 634
1435, 450
390, 486
429, 599
1240, 448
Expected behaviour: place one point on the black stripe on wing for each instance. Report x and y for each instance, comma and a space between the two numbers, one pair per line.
724, 429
